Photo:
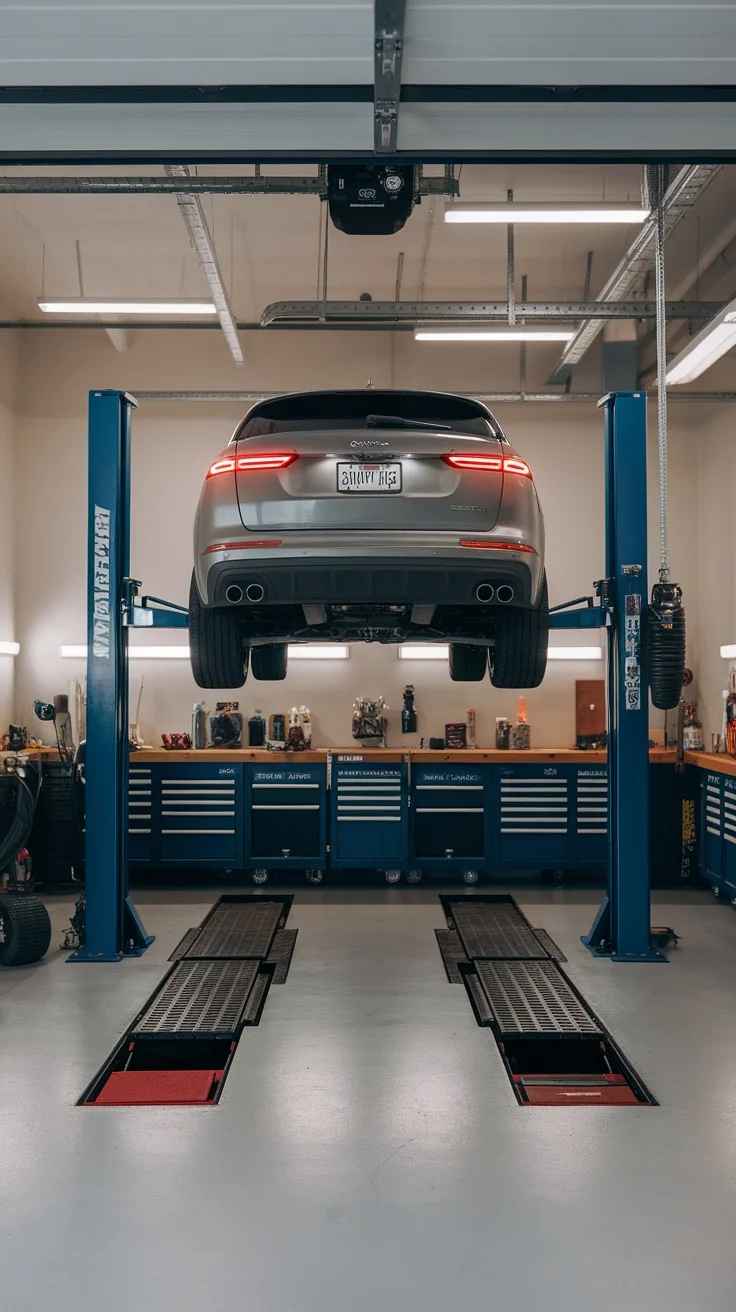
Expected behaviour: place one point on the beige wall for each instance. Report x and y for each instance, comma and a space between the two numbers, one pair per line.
8, 392
172, 445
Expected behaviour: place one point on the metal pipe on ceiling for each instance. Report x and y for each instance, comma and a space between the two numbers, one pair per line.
259, 184
683, 191
190, 207
491, 398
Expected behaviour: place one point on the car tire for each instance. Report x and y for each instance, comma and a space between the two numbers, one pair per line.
519, 657
269, 663
26, 929
468, 664
217, 652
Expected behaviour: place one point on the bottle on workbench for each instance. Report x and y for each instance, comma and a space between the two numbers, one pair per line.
256, 730
199, 726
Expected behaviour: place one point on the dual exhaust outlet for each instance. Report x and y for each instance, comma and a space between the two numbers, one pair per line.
485, 592
253, 592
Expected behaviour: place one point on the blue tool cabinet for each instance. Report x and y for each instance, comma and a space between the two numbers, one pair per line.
286, 816
449, 811
718, 831
186, 813
549, 815
369, 813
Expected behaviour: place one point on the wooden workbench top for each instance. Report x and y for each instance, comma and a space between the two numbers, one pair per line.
562, 755
712, 761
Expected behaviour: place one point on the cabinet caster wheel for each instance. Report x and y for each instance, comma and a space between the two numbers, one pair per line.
470, 876
315, 876
414, 877
392, 876
716, 891
260, 876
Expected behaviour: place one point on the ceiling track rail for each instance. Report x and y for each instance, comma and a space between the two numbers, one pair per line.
489, 398
389, 19
199, 185
280, 312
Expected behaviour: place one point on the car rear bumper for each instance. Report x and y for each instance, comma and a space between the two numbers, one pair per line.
420, 580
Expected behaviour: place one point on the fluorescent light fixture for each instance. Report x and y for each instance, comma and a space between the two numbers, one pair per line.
705, 348
168, 308
543, 212
728, 652
426, 651
9, 648
316, 652
152, 653
574, 654
423, 651
489, 333
319, 652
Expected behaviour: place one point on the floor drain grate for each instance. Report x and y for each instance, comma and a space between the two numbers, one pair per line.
487, 931
533, 997
200, 998
238, 931
282, 950
452, 952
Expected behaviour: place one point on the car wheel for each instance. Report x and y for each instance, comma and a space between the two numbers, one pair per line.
269, 662
219, 658
468, 664
25, 929
519, 657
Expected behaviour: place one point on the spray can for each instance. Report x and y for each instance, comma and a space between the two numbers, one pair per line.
256, 730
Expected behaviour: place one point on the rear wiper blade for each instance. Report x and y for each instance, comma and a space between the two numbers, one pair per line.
397, 421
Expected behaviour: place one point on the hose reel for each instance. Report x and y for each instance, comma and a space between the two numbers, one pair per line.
666, 614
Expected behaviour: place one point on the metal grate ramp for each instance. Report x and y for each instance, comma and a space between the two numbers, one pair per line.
549, 945
452, 952
533, 997
200, 999
282, 950
495, 931
237, 930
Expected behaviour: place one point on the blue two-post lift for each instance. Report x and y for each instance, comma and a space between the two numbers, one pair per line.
113, 929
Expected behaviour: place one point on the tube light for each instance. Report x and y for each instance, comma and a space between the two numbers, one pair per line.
315, 652
705, 348
729, 651
574, 654
543, 212
426, 651
9, 648
489, 333
82, 306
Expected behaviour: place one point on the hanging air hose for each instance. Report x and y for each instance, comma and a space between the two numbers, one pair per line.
666, 615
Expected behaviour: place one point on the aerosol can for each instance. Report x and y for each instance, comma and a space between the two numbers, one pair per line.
199, 726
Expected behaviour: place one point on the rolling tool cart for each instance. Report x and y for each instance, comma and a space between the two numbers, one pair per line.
370, 814
286, 819
450, 809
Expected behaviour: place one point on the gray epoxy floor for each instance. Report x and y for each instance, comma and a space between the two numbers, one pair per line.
368, 1152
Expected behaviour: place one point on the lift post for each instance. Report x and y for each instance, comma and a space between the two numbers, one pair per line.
112, 925
621, 929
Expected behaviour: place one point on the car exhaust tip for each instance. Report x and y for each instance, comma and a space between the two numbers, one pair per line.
485, 592
505, 593
255, 592
234, 594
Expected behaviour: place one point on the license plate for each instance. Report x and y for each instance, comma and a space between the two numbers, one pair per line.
359, 478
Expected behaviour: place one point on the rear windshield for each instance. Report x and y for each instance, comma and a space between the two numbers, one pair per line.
313, 411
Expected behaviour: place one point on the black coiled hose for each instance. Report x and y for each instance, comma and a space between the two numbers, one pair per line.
21, 822
666, 631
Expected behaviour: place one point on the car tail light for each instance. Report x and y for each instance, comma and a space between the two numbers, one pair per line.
489, 464
252, 545
246, 464
480, 544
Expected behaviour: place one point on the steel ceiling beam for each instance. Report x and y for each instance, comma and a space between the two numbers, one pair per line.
190, 207
497, 398
282, 312
259, 185
685, 189
389, 19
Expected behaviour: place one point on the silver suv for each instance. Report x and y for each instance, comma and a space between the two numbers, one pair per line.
371, 516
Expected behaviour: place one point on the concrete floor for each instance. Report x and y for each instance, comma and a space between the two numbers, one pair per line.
368, 1152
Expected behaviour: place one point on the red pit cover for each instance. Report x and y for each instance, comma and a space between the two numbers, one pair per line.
158, 1088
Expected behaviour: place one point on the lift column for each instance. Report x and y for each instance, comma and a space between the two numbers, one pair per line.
112, 926
621, 928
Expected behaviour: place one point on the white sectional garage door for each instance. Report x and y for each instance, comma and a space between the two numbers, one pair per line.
298, 43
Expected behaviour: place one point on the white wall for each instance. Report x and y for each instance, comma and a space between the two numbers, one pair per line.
714, 545
8, 382
171, 448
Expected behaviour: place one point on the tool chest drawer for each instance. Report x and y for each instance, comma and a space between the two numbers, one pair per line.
369, 813
285, 808
590, 828
200, 814
140, 813
533, 805
449, 813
